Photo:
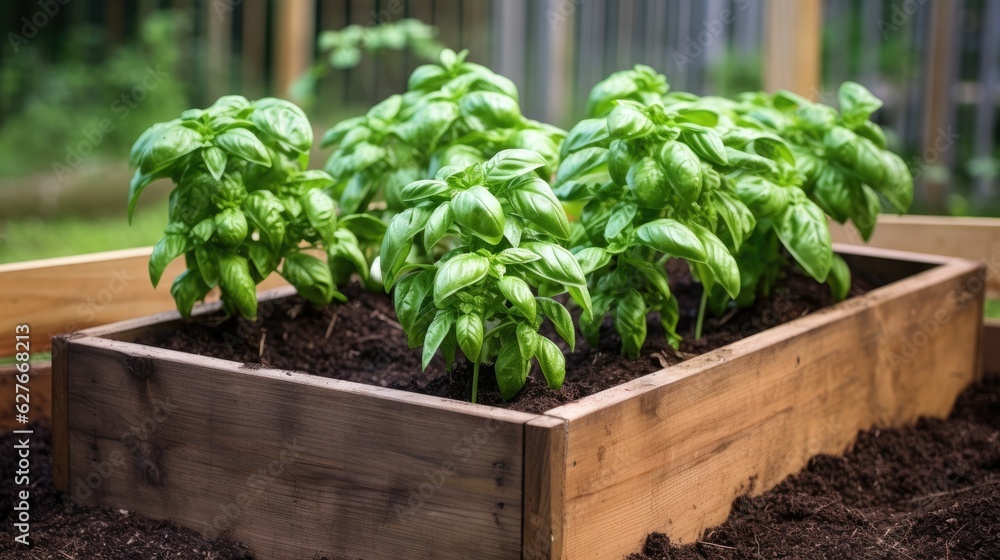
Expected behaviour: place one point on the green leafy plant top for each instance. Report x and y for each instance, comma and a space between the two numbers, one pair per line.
244, 205
492, 261
456, 113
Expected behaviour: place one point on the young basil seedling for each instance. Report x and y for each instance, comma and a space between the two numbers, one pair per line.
492, 260
244, 205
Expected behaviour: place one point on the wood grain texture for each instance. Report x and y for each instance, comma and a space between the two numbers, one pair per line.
977, 239
792, 35
60, 413
63, 295
39, 395
991, 346
671, 451
544, 479
294, 465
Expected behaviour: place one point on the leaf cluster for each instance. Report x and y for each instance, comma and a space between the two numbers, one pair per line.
244, 205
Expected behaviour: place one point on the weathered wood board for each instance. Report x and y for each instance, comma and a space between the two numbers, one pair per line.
670, 452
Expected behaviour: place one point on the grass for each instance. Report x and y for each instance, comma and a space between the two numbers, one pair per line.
993, 308
31, 238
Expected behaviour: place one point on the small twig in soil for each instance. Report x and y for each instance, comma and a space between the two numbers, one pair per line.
706, 543
954, 492
329, 328
294, 312
260, 349
387, 320
725, 318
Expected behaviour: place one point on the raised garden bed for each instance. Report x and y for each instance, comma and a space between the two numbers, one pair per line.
297, 466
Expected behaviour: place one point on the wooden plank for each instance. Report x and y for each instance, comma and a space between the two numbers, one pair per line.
60, 414
671, 451
792, 33
56, 296
970, 238
939, 109
991, 346
253, 44
368, 472
294, 42
39, 395
544, 480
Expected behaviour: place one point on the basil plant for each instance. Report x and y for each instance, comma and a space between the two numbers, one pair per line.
490, 260
455, 113
244, 205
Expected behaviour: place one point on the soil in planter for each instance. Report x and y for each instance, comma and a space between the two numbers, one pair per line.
361, 341
926, 491
61, 529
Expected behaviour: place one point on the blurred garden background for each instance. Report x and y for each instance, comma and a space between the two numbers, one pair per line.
81, 79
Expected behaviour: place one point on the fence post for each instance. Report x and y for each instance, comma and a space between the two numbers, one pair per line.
295, 39
792, 36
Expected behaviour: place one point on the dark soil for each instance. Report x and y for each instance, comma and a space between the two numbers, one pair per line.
926, 491
61, 529
361, 341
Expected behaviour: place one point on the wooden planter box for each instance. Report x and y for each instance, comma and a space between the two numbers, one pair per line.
298, 466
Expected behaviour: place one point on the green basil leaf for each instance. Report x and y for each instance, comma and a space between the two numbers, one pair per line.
510, 164
736, 216
263, 259
511, 370
396, 243
621, 218
478, 211
138, 183
581, 296
321, 213
630, 322
553, 363
203, 230
346, 247
340, 130
561, 319
534, 201
310, 276
519, 293
898, 187
762, 197
840, 278
187, 289
242, 143
167, 146
672, 238
750, 162
469, 331
264, 211
436, 333
586, 133
427, 188
231, 227
215, 161
238, 287
429, 124
495, 110
168, 248
556, 264
458, 273
513, 229
683, 170
412, 298
804, 231
719, 260
706, 143
437, 226
366, 227
649, 184
856, 103
427, 77
833, 193
283, 122
592, 258
516, 256
527, 341
207, 266
865, 210
626, 122
587, 166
